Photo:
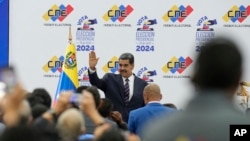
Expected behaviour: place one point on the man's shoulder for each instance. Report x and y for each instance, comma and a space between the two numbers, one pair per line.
138, 110
112, 75
138, 79
160, 108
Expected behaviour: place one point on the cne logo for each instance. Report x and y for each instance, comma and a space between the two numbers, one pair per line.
237, 14
177, 13
112, 65
54, 64
117, 13
177, 64
58, 12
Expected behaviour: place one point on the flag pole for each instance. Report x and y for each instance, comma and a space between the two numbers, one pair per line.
70, 36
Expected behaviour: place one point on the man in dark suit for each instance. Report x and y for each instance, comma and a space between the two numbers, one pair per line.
125, 90
142, 116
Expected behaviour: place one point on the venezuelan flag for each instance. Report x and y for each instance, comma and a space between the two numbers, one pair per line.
69, 77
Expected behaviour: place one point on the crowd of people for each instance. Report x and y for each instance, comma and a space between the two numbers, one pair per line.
132, 108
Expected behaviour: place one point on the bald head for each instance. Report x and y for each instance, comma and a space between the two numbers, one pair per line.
70, 123
152, 92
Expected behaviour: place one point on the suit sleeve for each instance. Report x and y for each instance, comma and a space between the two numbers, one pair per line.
96, 81
131, 123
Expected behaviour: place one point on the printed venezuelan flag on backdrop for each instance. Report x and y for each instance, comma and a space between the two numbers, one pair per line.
69, 77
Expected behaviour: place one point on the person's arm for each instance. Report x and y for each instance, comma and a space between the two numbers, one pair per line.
11, 105
60, 106
117, 117
123, 125
96, 81
47, 122
131, 123
89, 108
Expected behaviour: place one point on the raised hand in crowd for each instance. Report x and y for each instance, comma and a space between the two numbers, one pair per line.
13, 104
88, 106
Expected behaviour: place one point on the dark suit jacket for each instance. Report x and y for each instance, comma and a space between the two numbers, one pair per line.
113, 87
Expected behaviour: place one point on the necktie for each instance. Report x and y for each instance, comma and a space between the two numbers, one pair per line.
126, 91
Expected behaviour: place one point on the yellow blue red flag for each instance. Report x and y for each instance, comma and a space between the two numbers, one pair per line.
69, 77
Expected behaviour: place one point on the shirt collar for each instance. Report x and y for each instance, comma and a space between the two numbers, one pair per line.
130, 78
154, 102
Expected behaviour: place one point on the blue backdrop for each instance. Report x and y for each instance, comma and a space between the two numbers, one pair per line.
4, 32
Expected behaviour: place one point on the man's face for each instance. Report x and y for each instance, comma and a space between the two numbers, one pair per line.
125, 68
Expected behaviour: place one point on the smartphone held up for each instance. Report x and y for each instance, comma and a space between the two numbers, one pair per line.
8, 79
76, 99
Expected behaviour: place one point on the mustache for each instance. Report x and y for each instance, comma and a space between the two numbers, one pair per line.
123, 71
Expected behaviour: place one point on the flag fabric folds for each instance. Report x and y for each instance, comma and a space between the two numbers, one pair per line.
69, 77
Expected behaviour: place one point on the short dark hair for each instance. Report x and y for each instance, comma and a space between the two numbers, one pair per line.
219, 65
127, 56
38, 110
94, 91
81, 88
34, 100
105, 107
44, 95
